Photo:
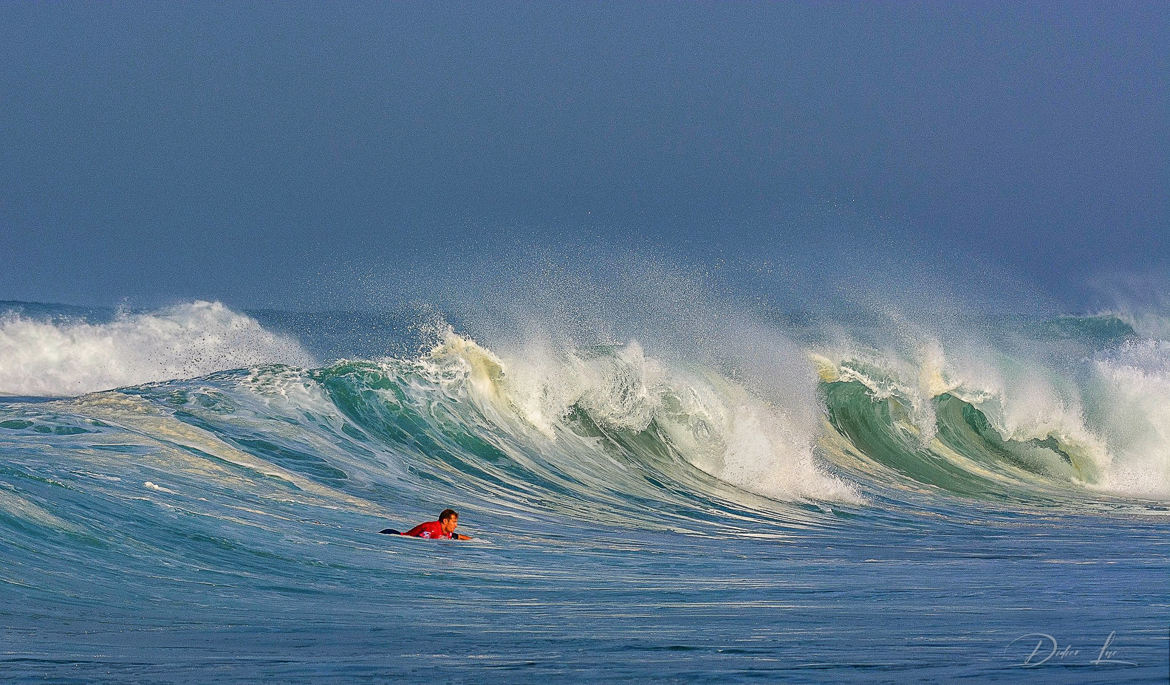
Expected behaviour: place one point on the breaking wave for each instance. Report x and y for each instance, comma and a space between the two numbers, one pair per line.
603, 433
61, 356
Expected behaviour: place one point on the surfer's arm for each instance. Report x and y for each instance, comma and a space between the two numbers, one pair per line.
460, 536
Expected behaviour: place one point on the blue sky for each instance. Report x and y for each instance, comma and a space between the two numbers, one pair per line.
264, 153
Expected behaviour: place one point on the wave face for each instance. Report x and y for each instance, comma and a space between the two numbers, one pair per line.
1066, 413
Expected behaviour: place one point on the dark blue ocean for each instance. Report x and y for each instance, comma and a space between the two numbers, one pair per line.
193, 493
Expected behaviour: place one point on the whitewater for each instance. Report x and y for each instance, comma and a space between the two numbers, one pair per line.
196, 490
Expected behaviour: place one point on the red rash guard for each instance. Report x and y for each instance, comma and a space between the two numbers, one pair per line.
430, 529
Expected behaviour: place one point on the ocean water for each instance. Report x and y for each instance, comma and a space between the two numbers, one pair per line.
193, 494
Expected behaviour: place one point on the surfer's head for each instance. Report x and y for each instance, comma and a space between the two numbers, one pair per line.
448, 520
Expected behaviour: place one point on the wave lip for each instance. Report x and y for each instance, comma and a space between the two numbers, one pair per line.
70, 356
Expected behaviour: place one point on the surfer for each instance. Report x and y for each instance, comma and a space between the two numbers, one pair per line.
443, 529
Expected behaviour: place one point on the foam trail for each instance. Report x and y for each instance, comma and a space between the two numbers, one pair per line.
72, 357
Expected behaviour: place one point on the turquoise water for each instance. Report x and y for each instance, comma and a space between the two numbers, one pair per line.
880, 517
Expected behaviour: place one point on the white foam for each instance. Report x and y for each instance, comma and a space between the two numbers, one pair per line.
1134, 384
72, 357
716, 424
